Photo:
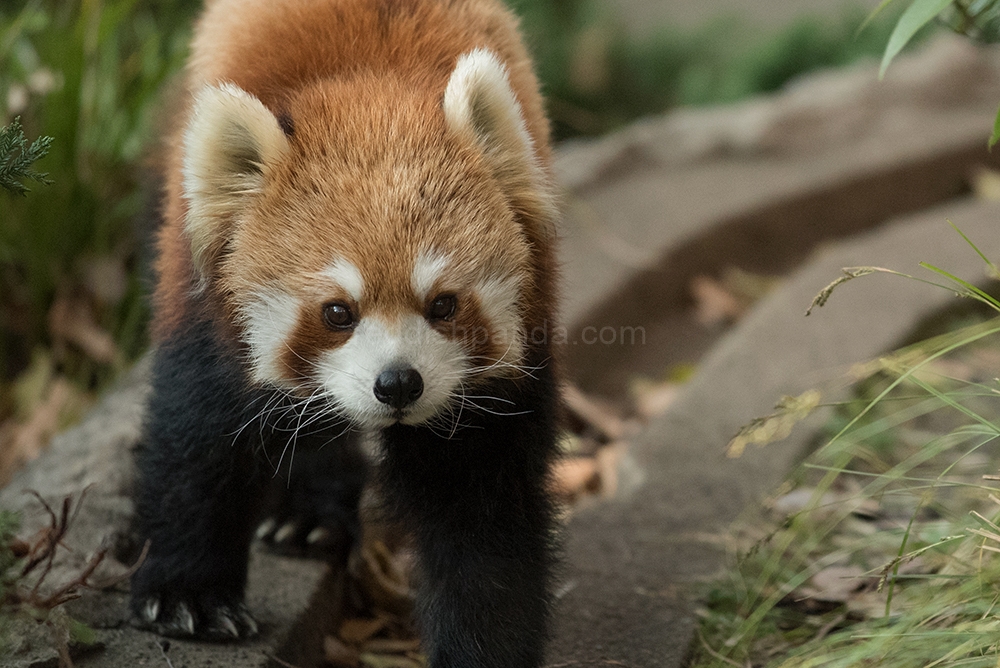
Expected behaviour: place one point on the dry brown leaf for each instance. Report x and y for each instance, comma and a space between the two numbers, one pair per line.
593, 413
370, 660
384, 576
608, 459
653, 399
837, 583
573, 476
339, 654
358, 631
866, 509
24, 441
71, 322
714, 303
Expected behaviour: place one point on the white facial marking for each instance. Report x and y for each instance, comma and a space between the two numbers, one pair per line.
229, 145
347, 276
426, 270
268, 321
479, 93
480, 105
348, 373
498, 297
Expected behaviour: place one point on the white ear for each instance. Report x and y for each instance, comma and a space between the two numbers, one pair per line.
479, 104
230, 143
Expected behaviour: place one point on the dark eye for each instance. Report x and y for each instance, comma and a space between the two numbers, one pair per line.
337, 315
442, 308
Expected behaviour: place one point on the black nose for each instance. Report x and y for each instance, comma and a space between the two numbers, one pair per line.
399, 387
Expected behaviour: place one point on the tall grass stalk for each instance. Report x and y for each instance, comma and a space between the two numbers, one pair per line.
944, 613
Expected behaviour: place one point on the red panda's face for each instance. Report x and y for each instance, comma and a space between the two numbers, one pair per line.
376, 259
409, 354
386, 295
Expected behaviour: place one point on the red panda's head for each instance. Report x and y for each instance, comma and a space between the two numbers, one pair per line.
371, 243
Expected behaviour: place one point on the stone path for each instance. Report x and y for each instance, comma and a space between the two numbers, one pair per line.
629, 558
759, 186
798, 184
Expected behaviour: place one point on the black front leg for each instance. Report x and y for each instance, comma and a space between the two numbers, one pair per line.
198, 492
211, 448
478, 506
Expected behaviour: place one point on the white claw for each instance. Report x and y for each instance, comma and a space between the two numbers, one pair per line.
228, 625
249, 622
265, 528
318, 535
151, 610
285, 532
185, 620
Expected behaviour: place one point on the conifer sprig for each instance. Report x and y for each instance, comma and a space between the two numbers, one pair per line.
16, 158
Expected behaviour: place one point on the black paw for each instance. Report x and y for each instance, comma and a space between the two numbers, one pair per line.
306, 536
314, 512
180, 617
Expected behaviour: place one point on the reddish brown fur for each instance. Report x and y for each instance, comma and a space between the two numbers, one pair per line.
367, 153
361, 82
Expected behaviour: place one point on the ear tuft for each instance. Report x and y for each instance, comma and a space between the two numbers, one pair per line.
231, 142
479, 104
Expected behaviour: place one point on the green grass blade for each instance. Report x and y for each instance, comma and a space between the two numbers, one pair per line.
989, 263
975, 334
971, 290
916, 16
986, 523
899, 558
995, 135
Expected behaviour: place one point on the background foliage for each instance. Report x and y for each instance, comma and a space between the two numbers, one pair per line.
90, 74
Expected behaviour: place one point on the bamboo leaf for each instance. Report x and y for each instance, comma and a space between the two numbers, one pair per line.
916, 16
871, 17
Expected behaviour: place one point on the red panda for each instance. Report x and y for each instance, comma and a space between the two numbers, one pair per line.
357, 239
